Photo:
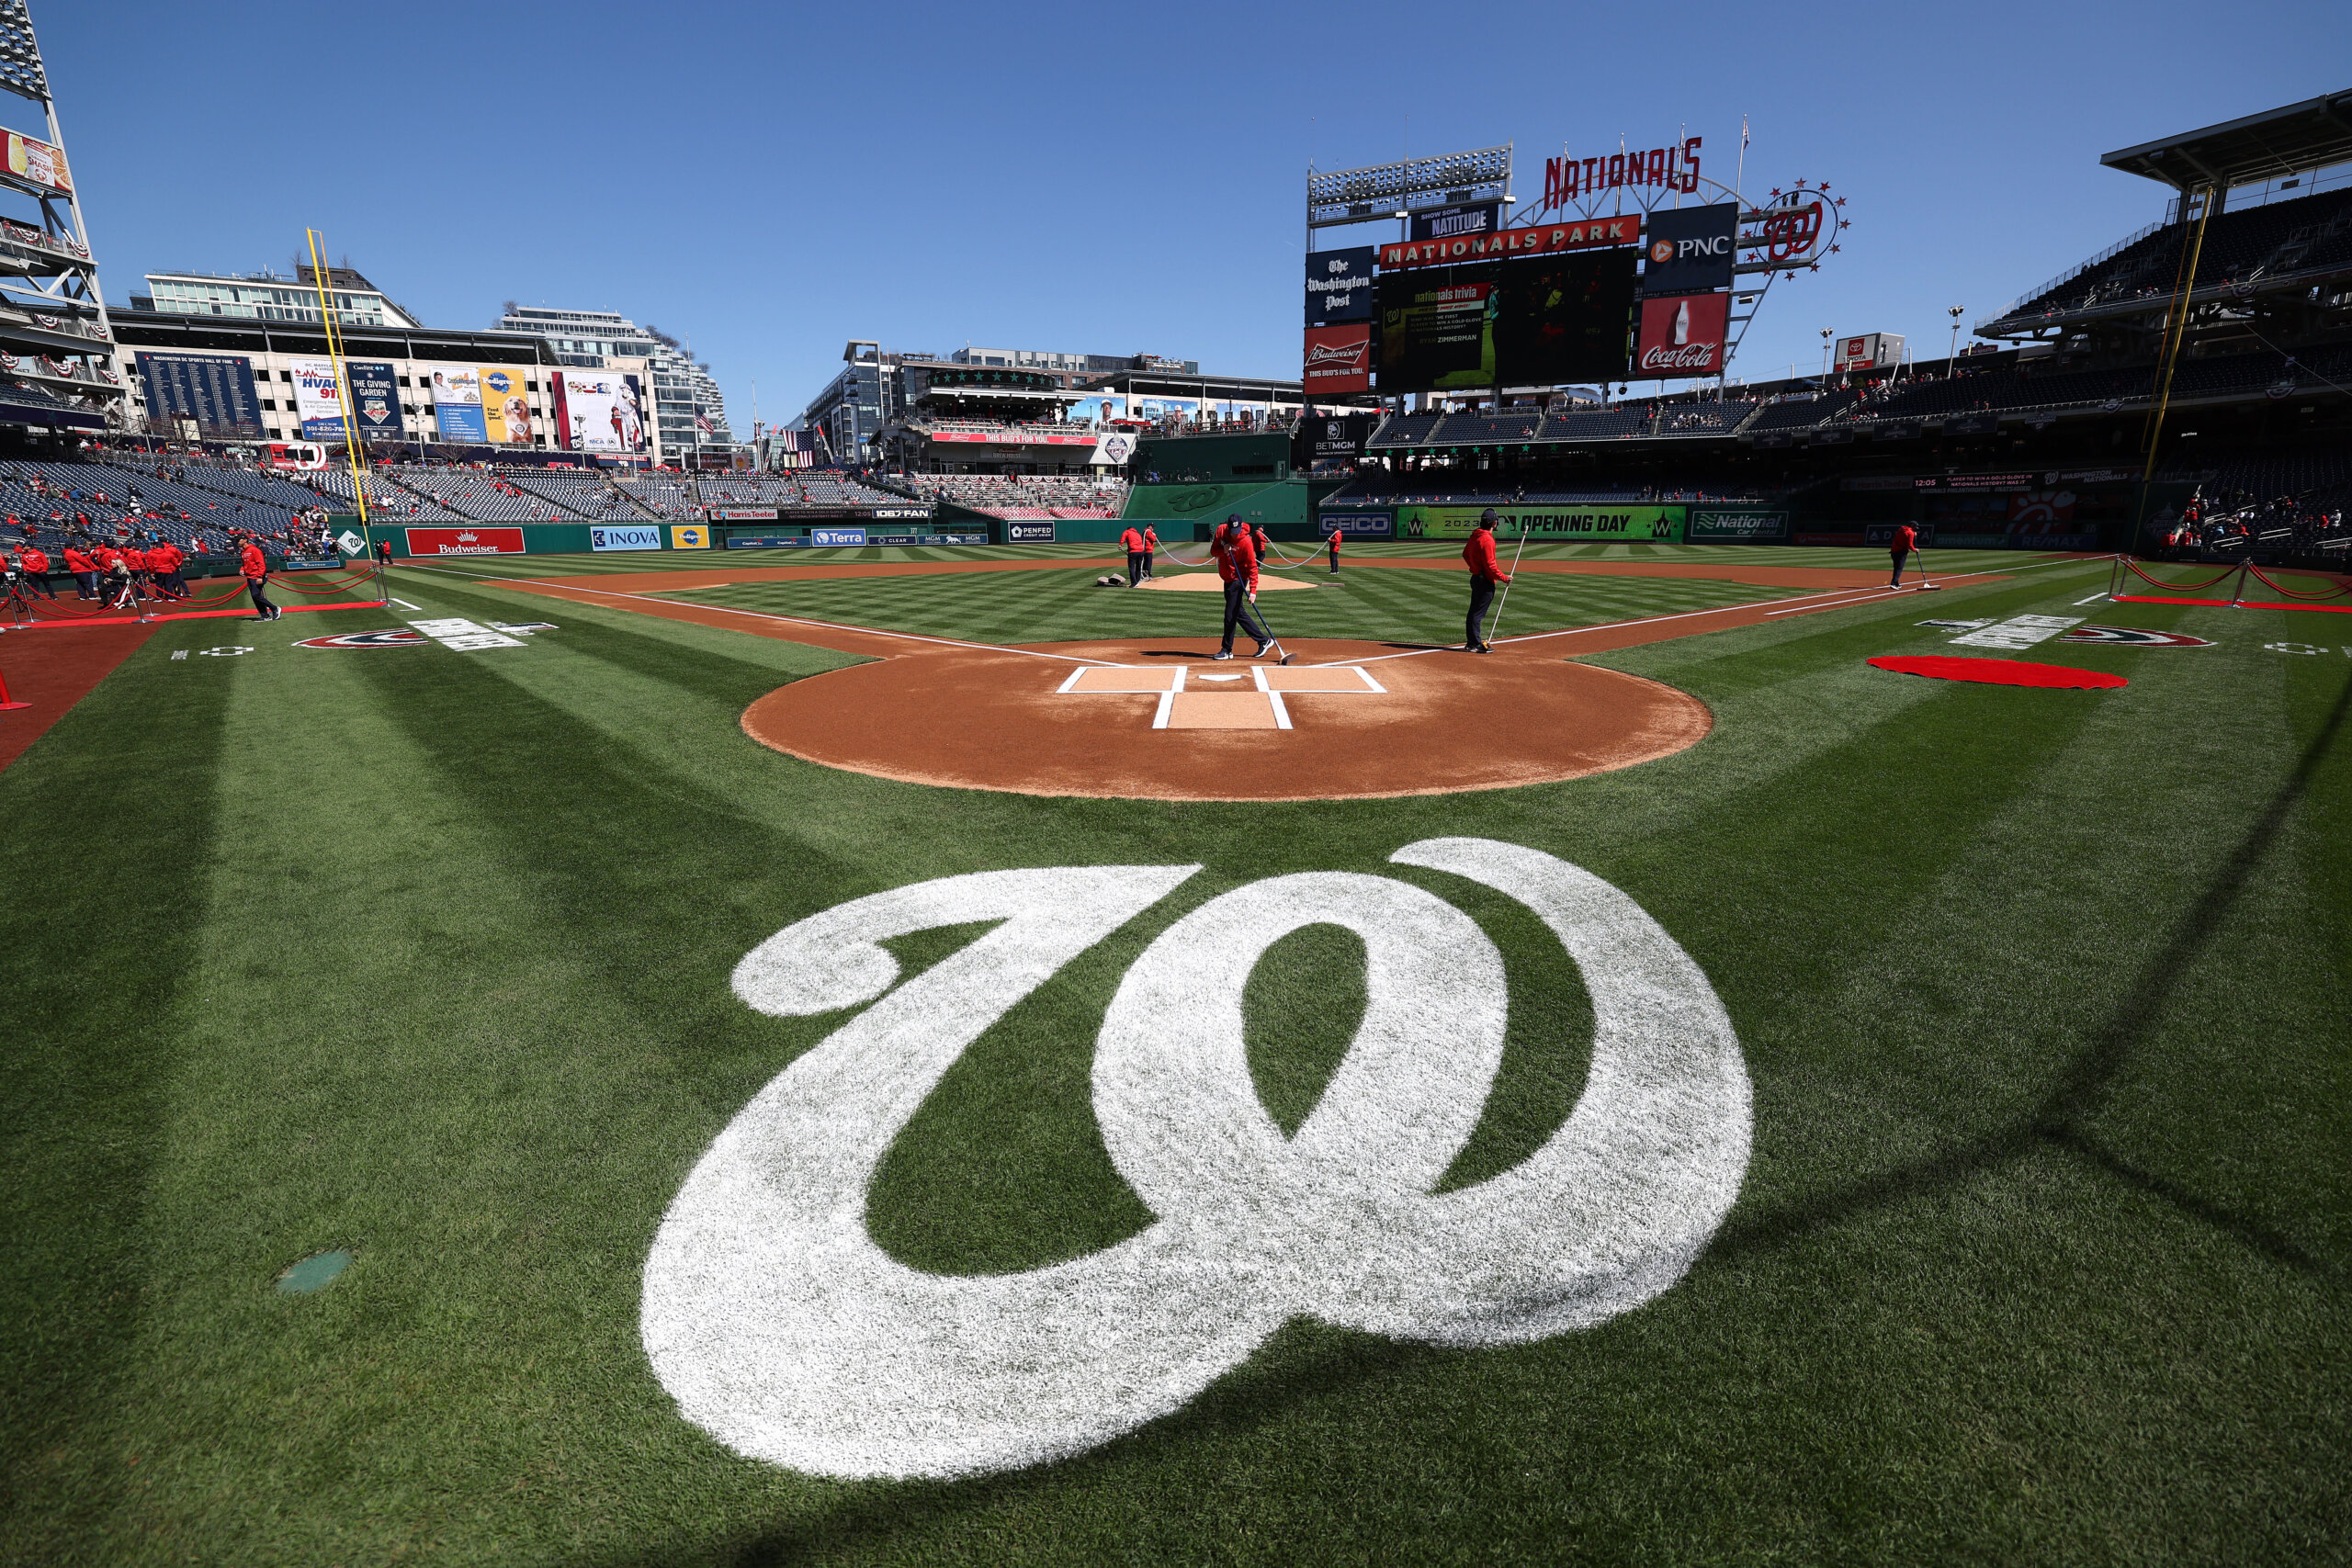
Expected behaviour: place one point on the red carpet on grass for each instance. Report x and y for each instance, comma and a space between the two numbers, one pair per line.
2228, 604
1998, 672
52, 674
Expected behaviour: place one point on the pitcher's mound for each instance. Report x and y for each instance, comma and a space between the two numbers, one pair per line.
1162, 720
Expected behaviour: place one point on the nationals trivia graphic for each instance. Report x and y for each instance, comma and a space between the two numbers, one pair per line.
782, 1329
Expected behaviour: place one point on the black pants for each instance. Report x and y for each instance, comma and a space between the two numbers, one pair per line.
87, 583
1335, 561
255, 586
38, 582
1137, 562
1482, 593
1236, 613
1900, 557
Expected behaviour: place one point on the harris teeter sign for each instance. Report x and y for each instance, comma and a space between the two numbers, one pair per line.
1637, 525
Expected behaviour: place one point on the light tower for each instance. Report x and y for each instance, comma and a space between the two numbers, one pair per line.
57, 358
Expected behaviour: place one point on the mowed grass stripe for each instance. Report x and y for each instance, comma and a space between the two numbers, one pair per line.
1021, 607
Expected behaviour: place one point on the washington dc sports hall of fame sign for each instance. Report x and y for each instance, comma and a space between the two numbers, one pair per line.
780, 1328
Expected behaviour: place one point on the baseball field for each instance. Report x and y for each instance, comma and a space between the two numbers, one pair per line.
896, 1055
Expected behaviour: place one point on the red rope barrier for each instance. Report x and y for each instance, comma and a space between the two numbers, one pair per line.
2284, 592
2134, 566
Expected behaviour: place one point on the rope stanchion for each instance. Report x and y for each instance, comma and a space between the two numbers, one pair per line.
2134, 568
2286, 593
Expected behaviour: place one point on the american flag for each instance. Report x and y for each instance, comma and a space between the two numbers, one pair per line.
702, 422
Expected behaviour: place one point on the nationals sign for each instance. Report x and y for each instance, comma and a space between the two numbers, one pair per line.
1585, 234
1339, 359
465, 541
1683, 335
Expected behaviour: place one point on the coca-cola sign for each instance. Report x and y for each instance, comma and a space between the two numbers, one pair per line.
1682, 335
1339, 359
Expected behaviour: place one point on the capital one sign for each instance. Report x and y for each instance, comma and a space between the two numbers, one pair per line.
780, 1328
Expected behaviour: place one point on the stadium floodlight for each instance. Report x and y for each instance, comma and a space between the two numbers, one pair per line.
1392, 190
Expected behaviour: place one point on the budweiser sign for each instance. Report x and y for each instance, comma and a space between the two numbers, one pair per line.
1585, 234
1683, 335
1339, 359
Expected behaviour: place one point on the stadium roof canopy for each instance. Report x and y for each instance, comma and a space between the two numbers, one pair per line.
2277, 142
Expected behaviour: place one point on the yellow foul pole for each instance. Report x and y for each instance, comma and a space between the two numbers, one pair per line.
342, 377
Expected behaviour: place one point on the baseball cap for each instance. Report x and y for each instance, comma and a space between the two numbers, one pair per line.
1489, 515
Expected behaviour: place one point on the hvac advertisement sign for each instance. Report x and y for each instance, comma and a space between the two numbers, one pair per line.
599, 410
376, 400
1638, 525
505, 411
689, 538
1339, 286
1682, 335
465, 541
457, 405
1339, 359
1689, 250
212, 389
626, 537
317, 401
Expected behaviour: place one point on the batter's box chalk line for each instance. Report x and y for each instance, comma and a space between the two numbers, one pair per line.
1216, 699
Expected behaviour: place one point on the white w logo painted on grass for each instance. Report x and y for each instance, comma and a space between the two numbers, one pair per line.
783, 1330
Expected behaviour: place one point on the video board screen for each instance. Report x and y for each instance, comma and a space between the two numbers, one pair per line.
1540, 322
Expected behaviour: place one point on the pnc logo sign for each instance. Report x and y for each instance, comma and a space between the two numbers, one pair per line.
780, 1328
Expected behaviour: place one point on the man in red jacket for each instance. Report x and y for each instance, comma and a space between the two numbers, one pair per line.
33, 561
1132, 541
256, 565
1236, 565
1906, 539
1485, 572
84, 571
1334, 543
1151, 549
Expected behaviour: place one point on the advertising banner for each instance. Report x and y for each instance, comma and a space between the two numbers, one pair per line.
690, 537
1339, 286
1450, 222
837, 536
317, 401
1114, 448
624, 536
213, 390
1869, 351
1338, 360
1689, 250
598, 410
1584, 234
1734, 525
1330, 441
1017, 438
1639, 524
505, 410
465, 541
375, 401
457, 405
1029, 533
1682, 335
741, 514
38, 161
1357, 525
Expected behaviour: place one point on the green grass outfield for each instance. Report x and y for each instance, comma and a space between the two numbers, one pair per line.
2041, 1254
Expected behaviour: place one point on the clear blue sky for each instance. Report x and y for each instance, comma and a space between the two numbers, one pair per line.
770, 181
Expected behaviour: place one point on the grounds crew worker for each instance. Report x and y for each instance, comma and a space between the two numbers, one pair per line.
1151, 548
34, 563
1137, 557
255, 567
383, 552
1335, 549
1237, 564
1485, 572
1906, 539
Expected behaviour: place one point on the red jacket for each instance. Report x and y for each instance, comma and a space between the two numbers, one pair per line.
32, 559
76, 562
1906, 538
1236, 556
1334, 541
252, 563
1132, 541
1480, 553
171, 556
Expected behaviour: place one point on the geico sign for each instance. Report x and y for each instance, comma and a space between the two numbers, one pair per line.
780, 1327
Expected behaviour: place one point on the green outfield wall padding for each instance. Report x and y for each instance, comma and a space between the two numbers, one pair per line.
1214, 459
1282, 504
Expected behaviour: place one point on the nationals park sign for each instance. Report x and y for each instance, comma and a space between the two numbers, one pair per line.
1542, 239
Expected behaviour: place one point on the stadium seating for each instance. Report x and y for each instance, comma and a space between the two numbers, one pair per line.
1595, 424
1703, 418
1802, 414
1024, 496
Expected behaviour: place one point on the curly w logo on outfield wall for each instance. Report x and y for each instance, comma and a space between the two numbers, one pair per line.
783, 1331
